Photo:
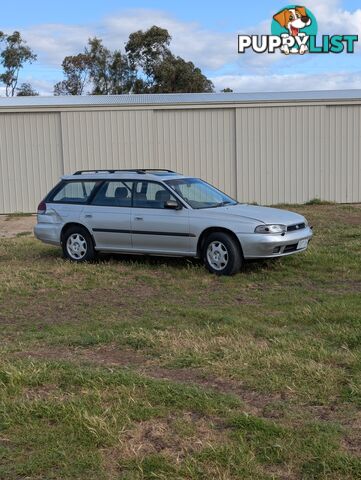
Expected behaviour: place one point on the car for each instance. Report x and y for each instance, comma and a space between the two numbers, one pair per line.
161, 212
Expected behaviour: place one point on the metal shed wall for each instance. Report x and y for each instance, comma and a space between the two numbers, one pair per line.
264, 153
200, 143
30, 159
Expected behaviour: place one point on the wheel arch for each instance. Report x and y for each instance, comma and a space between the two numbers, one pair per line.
203, 236
74, 224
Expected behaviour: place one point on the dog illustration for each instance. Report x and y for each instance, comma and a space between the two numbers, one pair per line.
294, 20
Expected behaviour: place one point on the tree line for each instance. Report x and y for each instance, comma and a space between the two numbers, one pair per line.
147, 65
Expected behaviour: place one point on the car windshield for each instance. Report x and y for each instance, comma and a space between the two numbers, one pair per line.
199, 194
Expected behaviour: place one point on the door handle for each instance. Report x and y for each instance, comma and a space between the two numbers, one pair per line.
88, 215
138, 218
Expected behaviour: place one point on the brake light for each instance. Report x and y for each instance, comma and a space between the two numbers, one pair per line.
41, 208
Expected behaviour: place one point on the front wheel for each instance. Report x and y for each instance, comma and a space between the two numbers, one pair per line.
222, 254
78, 245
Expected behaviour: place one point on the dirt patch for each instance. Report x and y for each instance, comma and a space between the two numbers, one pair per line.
107, 356
174, 437
352, 444
254, 401
16, 226
44, 392
352, 440
59, 307
280, 472
112, 356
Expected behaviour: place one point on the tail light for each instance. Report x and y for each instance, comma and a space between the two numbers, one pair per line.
41, 208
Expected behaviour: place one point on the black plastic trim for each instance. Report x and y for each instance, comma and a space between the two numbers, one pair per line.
144, 232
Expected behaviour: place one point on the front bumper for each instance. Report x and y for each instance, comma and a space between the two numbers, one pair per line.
258, 245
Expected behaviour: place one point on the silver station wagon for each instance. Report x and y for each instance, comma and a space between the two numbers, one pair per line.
160, 212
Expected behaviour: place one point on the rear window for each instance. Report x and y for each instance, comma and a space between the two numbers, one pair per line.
73, 192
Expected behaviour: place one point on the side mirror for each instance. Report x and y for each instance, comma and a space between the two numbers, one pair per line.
172, 205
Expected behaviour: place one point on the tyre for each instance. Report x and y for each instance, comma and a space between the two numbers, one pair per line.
78, 245
222, 254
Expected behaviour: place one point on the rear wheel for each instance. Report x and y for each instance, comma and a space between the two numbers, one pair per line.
222, 254
78, 245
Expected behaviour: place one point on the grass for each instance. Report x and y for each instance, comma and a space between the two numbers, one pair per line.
11, 216
145, 368
318, 201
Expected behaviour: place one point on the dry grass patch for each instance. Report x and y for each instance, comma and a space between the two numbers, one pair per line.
173, 437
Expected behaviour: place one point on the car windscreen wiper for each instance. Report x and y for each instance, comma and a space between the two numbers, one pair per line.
220, 204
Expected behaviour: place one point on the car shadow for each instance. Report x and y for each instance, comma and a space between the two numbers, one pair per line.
250, 266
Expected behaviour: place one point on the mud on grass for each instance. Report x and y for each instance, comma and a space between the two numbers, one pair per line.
142, 368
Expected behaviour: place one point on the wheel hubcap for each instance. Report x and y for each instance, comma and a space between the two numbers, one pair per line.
217, 255
76, 246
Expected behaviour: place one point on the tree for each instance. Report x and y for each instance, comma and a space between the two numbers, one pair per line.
26, 90
76, 70
103, 71
147, 50
147, 66
158, 70
110, 72
227, 90
13, 57
175, 75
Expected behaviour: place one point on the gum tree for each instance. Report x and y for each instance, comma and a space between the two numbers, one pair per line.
14, 54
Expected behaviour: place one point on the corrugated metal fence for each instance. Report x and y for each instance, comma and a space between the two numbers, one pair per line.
263, 154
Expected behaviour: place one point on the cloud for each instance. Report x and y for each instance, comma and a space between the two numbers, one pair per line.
53, 42
333, 19
43, 87
289, 82
206, 48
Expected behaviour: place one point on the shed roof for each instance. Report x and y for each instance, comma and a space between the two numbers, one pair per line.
180, 98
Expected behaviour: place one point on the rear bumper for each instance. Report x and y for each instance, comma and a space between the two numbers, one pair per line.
257, 245
48, 233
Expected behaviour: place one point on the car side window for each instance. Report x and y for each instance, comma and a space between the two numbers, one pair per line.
114, 194
151, 195
74, 192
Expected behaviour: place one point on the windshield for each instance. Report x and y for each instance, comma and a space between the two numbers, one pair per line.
199, 194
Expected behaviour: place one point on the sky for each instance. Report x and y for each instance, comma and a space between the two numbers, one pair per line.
204, 32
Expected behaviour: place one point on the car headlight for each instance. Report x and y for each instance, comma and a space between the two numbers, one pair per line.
271, 229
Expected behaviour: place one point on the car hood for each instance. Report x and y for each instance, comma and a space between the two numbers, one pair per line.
265, 215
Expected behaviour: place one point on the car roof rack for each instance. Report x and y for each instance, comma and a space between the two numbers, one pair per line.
141, 171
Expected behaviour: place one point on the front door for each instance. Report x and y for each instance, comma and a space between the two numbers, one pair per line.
108, 216
156, 229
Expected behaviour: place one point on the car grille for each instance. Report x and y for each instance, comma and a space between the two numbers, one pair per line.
290, 248
298, 226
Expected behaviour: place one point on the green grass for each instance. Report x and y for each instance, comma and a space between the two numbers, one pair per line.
11, 216
137, 368
318, 201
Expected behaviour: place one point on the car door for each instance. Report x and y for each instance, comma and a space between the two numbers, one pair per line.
108, 216
156, 229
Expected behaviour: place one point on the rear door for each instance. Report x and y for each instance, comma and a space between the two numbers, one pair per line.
108, 216
156, 229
